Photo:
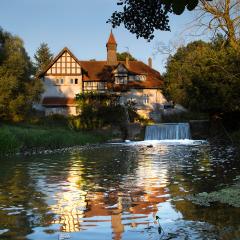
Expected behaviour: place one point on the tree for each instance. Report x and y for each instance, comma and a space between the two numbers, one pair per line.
143, 17
220, 16
18, 90
122, 56
43, 57
205, 77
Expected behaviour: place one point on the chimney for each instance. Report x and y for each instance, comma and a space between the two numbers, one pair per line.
150, 62
111, 50
127, 61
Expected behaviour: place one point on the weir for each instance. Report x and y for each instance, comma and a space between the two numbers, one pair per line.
168, 131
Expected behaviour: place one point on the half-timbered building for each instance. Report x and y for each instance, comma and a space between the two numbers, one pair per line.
67, 76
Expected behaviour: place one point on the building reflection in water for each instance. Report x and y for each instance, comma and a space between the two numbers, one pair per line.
71, 203
136, 197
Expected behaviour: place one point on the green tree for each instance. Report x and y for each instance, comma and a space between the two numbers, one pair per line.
205, 77
122, 56
43, 57
18, 89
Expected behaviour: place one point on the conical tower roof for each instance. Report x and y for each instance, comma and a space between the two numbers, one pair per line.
111, 39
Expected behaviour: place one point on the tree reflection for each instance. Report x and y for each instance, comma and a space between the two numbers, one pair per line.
116, 187
22, 206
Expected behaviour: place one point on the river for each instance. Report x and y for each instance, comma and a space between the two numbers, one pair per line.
116, 191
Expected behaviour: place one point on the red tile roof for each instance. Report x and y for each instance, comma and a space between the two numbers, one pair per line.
100, 71
56, 101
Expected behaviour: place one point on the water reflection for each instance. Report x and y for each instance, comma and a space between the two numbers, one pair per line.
115, 192
71, 201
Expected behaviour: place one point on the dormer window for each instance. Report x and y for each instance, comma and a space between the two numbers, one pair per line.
137, 78
121, 78
142, 77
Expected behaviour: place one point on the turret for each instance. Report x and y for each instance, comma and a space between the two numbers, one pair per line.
111, 50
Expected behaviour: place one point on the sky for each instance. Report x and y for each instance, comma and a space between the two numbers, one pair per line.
81, 26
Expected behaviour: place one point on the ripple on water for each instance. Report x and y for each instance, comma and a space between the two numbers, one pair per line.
115, 191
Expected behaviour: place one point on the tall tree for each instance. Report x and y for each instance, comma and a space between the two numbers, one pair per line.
43, 57
205, 77
122, 56
18, 90
220, 16
143, 17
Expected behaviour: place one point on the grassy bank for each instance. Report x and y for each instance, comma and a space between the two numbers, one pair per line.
15, 139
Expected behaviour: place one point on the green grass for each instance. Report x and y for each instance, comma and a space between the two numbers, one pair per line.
16, 138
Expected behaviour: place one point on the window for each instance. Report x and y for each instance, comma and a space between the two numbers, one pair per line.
102, 85
76, 81
62, 81
121, 79
71, 81
142, 77
137, 77
57, 81
145, 99
94, 86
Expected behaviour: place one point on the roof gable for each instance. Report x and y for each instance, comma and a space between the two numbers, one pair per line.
121, 68
64, 63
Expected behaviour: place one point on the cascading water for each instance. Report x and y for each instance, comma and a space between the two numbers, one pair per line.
168, 131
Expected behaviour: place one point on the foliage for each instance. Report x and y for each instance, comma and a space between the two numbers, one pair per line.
122, 56
18, 90
184, 117
132, 111
91, 98
229, 195
236, 137
8, 142
43, 57
205, 77
39, 119
143, 17
98, 110
35, 138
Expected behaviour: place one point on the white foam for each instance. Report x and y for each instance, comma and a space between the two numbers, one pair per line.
164, 142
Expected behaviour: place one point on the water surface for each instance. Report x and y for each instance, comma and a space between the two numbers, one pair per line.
115, 191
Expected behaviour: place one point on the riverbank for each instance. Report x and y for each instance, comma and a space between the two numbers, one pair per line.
31, 138
236, 138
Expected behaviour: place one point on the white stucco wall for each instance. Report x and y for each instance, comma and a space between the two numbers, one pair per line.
147, 100
66, 90
140, 96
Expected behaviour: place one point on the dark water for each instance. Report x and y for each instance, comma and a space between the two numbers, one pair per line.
116, 192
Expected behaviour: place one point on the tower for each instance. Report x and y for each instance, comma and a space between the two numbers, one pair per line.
111, 50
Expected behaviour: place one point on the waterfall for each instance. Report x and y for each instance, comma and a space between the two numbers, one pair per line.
165, 131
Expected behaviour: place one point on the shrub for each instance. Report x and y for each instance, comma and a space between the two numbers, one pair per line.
98, 110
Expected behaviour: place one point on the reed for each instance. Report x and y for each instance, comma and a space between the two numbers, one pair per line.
34, 138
